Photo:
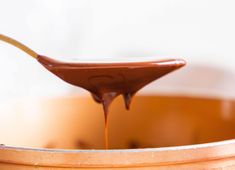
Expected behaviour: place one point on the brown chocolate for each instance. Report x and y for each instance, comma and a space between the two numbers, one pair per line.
105, 81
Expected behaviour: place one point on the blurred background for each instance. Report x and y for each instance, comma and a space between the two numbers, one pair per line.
200, 31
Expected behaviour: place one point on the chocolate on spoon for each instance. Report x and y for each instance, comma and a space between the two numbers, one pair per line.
105, 81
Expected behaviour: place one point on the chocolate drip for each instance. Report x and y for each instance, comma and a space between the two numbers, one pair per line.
127, 99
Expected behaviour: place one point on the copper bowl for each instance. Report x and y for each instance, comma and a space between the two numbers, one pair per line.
165, 132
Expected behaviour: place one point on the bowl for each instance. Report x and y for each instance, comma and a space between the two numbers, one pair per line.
159, 131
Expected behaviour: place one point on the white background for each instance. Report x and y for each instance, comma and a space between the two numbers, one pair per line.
200, 31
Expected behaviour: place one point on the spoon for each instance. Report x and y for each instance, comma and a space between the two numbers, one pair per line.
104, 81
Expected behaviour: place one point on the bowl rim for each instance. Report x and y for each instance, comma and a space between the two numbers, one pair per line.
168, 148
97, 158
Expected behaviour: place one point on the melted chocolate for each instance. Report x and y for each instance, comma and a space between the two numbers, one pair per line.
105, 81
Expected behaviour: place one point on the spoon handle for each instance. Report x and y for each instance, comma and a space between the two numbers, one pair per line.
19, 45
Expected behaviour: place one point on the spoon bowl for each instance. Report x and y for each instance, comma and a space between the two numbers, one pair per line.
105, 81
